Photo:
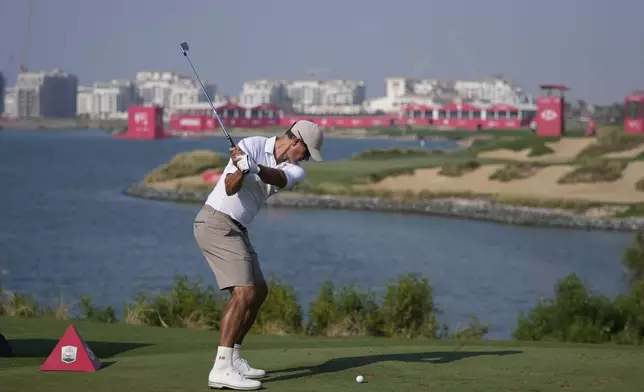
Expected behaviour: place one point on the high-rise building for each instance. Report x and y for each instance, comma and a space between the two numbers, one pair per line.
46, 94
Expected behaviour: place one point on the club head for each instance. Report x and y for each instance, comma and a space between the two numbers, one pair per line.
184, 47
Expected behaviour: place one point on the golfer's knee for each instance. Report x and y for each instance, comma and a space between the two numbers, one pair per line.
244, 295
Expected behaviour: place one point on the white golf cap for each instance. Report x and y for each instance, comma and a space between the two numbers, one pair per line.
311, 135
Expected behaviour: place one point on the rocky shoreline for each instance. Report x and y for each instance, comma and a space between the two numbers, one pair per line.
475, 209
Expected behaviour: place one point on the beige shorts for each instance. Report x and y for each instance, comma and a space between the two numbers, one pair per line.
227, 249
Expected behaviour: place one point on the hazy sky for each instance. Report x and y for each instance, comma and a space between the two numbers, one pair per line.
596, 47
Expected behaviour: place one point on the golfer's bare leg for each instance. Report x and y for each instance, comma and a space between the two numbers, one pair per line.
260, 291
232, 321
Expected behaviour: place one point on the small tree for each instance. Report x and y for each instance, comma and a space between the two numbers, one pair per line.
634, 260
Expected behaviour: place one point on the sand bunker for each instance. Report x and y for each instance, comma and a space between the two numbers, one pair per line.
632, 153
171, 184
563, 150
543, 184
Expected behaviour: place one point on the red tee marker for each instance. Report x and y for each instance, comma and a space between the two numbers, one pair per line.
71, 354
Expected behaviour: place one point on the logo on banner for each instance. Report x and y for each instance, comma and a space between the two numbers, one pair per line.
548, 115
68, 354
141, 121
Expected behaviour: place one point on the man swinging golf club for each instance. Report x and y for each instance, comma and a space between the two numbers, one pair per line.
259, 167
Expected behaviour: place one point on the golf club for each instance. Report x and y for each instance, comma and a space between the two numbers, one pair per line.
184, 50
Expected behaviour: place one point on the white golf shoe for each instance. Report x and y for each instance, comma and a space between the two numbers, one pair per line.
248, 371
231, 378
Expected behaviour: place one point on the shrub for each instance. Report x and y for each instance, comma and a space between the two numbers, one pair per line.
457, 169
348, 312
187, 164
595, 170
474, 330
640, 185
574, 315
515, 171
281, 313
381, 175
93, 313
20, 305
185, 306
408, 308
633, 260
613, 141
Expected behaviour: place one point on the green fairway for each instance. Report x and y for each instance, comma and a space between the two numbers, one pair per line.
138, 358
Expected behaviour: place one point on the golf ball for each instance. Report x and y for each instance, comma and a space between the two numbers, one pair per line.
359, 379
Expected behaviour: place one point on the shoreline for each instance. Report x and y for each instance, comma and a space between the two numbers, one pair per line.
452, 207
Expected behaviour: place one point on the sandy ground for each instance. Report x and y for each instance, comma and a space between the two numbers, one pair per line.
171, 184
543, 184
626, 154
563, 150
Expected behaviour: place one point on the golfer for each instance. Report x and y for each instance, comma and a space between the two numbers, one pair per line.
272, 164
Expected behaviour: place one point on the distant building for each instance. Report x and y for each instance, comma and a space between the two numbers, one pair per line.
46, 94
261, 92
112, 99
402, 91
10, 102
169, 89
2, 86
84, 101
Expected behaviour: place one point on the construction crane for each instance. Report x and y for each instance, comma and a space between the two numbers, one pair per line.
24, 60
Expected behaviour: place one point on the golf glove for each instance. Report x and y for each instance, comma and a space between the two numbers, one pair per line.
244, 163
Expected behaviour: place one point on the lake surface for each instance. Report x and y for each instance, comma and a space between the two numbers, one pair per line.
66, 227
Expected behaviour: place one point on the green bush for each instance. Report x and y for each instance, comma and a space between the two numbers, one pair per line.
575, 315
187, 164
185, 306
474, 330
633, 260
93, 313
594, 170
347, 312
281, 313
457, 169
515, 171
408, 308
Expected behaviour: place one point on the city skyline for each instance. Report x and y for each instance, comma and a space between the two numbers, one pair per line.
234, 42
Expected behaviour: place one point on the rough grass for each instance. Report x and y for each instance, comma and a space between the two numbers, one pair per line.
536, 145
640, 185
457, 169
187, 164
595, 170
141, 359
612, 140
516, 171
373, 154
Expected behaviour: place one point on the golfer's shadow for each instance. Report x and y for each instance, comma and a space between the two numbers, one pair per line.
341, 364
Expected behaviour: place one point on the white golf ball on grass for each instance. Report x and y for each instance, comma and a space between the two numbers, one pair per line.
359, 379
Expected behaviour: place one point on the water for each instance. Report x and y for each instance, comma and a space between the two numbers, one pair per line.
65, 227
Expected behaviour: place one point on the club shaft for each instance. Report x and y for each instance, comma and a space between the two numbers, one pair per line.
221, 124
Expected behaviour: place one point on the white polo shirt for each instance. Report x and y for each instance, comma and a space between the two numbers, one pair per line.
244, 205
